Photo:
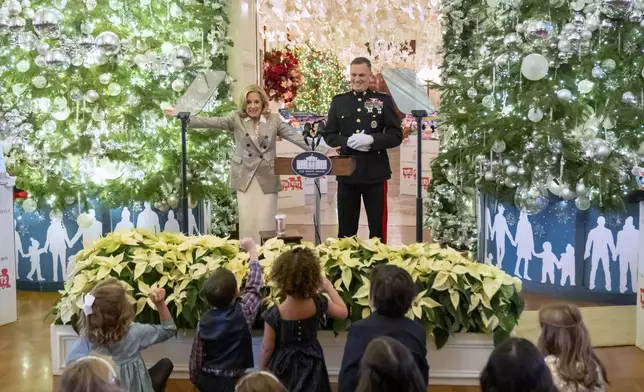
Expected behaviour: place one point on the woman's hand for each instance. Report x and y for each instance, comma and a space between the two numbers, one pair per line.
170, 111
333, 152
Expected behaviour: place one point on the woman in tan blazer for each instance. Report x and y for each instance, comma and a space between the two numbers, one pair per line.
256, 130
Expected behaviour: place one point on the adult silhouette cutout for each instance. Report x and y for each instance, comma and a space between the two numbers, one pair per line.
567, 265
192, 224
500, 230
524, 240
148, 219
599, 242
126, 223
19, 251
627, 240
90, 234
488, 232
34, 257
172, 225
549, 261
57, 242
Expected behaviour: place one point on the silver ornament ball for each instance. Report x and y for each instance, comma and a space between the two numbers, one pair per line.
108, 43
57, 60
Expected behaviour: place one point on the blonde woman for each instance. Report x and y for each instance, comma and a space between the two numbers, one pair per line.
256, 130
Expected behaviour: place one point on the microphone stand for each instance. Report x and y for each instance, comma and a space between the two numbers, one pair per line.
419, 115
184, 117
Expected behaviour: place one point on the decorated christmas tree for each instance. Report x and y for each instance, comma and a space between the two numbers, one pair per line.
323, 79
83, 83
541, 98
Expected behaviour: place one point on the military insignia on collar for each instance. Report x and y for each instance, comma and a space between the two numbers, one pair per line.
374, 124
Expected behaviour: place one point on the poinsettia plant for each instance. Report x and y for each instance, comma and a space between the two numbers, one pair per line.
282, 76
455, 294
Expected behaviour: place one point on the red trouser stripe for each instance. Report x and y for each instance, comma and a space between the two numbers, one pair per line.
384, 217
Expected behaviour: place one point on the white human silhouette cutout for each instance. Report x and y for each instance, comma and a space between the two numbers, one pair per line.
172, 225
489, 259
148, 219
499, 231
626, 251
549, 260
90, 234
524, 240
192, 224
19, 251
57, 242
600, 240
34, 256
488, 223
126, 223
567, 265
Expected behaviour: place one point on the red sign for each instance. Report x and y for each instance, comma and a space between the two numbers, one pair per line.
409, 172
425, 182
4, 279
292, 183
642, 298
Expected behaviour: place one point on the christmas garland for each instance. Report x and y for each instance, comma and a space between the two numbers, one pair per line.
282, 76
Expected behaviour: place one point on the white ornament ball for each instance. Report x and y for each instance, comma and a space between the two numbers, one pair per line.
114, 89
39, 81
13, 7
489, 176
184, 53
602, 152
84, 220
87, 28
178, 65
564, 45
582, 203
629, 97
105, 78
145, 2
178, 85
641, 149
42, 48
91, 96
28, 13
567, 194
29, 205
167, 48
498, 146
553, 186
535, 114
23, 65
534, 66
585, 86
511, 170
564, 94
580, 189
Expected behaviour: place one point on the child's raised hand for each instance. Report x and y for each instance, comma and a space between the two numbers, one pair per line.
326, 283
248, 244
157, 295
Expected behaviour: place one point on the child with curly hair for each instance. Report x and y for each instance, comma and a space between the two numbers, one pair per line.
93, 373
290, 348
107, 327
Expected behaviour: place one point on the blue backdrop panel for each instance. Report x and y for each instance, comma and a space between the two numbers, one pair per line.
568, 252
63, 238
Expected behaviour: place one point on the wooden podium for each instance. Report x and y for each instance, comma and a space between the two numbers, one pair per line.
341, 166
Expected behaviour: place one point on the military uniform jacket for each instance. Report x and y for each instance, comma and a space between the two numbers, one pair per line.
368, 112
255, 152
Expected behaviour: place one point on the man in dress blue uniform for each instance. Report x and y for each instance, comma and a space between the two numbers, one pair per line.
364, 124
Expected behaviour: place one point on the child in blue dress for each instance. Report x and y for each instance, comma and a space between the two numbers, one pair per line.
290, 348
107, 328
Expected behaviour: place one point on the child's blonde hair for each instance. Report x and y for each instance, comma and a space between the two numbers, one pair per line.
260, 382
93, 373
564, 336
110, 315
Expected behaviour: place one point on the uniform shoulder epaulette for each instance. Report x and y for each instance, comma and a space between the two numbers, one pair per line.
342, 94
